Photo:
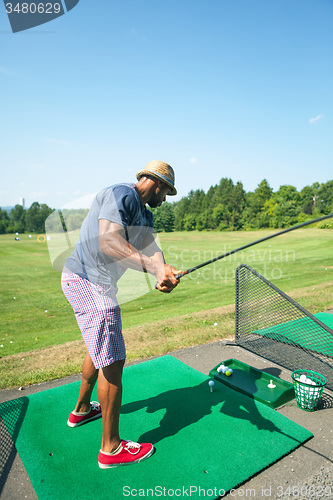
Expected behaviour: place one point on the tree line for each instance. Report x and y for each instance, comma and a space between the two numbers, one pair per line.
225, 207
20, 220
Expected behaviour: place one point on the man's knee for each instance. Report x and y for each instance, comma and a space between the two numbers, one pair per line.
114, 371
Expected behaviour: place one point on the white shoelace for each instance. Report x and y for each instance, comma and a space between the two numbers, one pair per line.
130, 445
95, 405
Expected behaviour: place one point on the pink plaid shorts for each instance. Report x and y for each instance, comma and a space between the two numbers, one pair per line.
98, 315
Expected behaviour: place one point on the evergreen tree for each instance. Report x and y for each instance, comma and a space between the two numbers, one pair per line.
256, 217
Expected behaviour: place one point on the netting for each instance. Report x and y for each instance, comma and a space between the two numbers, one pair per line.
274, 326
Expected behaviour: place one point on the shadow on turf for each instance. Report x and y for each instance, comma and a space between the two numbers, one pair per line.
12, 415
187, 405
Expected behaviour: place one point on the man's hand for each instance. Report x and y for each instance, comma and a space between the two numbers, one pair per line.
166, 280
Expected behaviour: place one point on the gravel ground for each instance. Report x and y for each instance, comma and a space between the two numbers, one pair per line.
320, 485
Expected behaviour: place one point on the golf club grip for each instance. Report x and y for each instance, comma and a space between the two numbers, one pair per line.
177, 276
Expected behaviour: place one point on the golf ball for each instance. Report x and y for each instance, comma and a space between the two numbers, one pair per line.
231, 371
228, 373
302, 378
211, 385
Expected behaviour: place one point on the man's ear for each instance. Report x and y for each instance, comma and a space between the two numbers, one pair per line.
161, 184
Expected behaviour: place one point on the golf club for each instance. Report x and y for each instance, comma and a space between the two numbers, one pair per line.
180, 275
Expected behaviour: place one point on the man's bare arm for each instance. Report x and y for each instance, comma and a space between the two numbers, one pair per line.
112, 242
151, 249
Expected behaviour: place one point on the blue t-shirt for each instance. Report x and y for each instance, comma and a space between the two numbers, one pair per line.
120, 204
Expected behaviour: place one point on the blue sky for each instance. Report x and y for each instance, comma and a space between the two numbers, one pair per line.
217, 88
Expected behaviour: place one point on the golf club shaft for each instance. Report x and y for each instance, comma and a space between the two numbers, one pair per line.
180, 275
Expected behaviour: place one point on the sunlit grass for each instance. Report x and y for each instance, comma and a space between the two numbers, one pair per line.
35, 313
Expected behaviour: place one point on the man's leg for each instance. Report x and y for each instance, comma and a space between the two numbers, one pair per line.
113, 451
89, 377
109, 391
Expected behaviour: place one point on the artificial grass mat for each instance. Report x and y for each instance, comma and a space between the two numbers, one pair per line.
301, 331
209, 440
326, 318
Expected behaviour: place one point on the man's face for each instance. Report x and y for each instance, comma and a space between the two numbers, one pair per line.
158, 195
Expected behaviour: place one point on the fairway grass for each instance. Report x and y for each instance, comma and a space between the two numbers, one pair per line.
36, 319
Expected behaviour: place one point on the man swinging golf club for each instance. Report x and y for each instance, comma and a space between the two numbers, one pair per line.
117, 234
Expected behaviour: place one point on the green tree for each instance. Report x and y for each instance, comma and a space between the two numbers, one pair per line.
17, 219
286, 208
307, 199
255, 214
238, 206
168, 217
4, 221
190, 222
164, 218
325, 198
181, 209
36, 216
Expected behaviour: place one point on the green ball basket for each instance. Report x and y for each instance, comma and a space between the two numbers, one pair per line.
307, 395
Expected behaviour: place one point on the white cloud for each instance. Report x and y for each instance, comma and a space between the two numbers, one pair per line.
194, 160
315, 119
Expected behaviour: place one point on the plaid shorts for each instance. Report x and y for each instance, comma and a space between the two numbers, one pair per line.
98, 315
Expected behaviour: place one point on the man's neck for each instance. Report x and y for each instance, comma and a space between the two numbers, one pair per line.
143, 188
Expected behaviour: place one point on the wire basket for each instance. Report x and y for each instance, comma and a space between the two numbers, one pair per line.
308, 394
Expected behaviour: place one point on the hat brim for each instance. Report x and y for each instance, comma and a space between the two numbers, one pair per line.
172, 191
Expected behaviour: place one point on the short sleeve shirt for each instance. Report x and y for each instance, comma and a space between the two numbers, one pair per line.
120, 204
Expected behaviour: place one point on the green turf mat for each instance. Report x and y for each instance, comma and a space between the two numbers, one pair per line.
325, 318
208, 440
296, 331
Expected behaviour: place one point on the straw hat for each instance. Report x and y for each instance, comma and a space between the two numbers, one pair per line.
161, 171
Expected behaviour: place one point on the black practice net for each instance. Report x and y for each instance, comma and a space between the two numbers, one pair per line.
274, 326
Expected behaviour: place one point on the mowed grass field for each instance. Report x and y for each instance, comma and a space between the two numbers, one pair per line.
39, 337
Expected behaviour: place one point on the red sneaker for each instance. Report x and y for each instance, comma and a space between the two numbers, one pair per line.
130, 453
95, 411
